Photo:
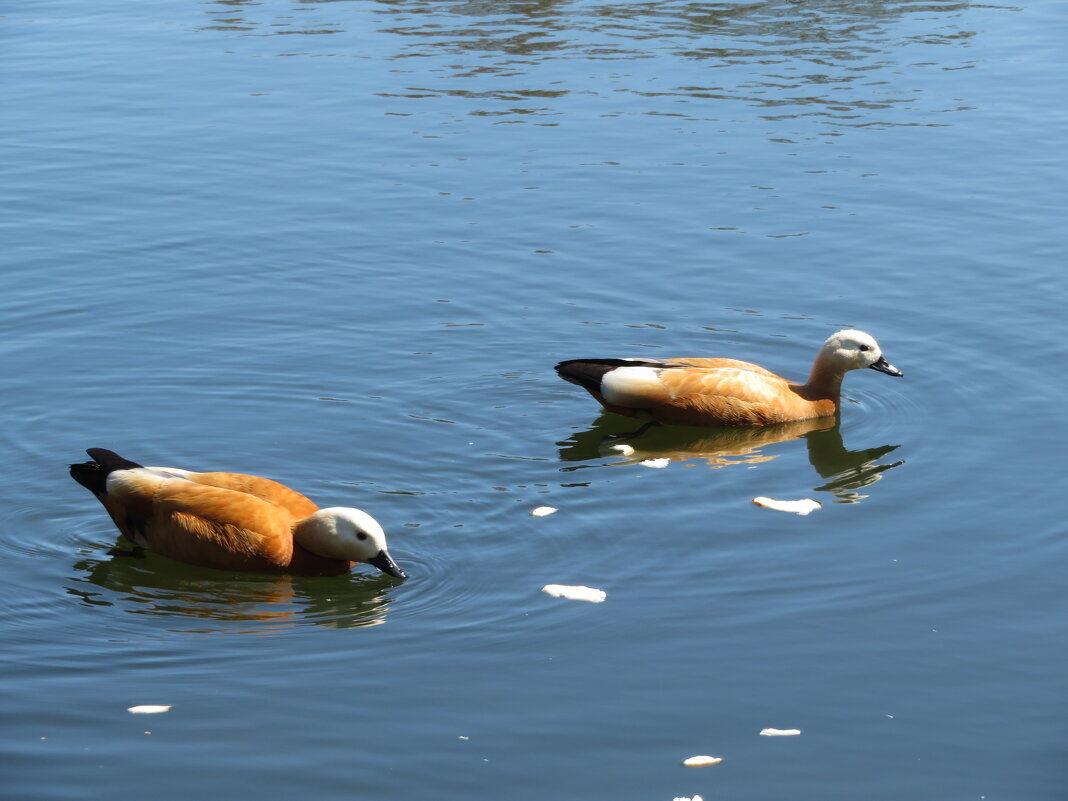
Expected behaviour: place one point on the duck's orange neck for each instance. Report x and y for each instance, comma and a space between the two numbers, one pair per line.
823, 383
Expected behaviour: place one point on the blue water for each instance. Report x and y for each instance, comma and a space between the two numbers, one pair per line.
342, 245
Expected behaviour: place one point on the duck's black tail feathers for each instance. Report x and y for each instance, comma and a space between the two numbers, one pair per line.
586, 373
589, 372
94, 475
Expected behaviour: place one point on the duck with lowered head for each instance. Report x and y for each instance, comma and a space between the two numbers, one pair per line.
231, 521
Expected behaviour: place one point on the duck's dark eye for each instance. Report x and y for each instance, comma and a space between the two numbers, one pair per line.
865, 347
361, 535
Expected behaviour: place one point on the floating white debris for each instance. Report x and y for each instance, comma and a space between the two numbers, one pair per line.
624, 449
688, 798
780, 732
701, 761
594, 596
656, 463
801, 507
543, 511
149, 709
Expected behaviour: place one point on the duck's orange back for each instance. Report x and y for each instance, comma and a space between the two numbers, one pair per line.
263, 488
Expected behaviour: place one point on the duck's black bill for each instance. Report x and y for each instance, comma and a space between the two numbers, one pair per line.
883, 366
385, 563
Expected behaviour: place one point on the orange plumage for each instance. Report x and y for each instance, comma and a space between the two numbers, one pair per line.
231, 521
724, 392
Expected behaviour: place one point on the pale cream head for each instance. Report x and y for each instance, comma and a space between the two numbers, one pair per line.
341, 532
851, 349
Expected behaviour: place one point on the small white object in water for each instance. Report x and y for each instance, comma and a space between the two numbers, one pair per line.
687, 798
656, 463
543, 511
801, 507
594, 596
623, 449
149, 709
701, 761
780, 732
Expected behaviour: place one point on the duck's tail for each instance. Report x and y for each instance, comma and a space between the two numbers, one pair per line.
588, 373
94, 475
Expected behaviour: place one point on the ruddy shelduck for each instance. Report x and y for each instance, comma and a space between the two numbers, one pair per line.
230, 520
724, 392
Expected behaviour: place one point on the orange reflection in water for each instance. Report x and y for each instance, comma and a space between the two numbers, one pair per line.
205, 601
845, 471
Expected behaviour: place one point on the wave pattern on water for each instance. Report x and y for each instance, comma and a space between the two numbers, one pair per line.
838, 63
341, 244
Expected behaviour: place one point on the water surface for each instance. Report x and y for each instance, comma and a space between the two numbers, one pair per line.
342, 244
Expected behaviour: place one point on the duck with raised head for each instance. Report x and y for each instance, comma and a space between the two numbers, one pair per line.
725, 392
231, 521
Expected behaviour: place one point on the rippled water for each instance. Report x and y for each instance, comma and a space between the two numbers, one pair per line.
342, 245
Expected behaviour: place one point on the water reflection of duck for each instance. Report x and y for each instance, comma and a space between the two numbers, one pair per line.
160, 587
846, 470
725, 392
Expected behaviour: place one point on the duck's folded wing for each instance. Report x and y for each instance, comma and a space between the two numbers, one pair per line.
718, 363
731, 396
217, 527
263, 488
732, 382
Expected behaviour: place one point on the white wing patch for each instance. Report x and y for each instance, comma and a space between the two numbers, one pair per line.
122, 481
632, 386
169, 472
137, 479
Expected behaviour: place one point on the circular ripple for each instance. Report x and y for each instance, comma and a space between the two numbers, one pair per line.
148, 595
879, 411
